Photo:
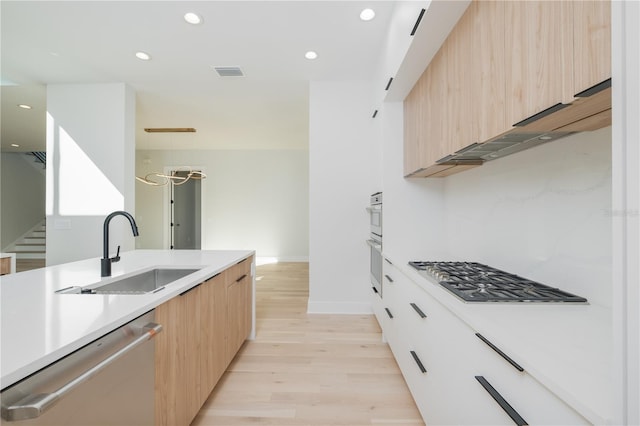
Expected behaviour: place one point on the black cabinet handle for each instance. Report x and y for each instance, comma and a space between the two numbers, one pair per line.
517, 419
541, 114
389, 278
192, 288
388, 261
241, 278
417, 360
213, 276
502, 354
417, 24
375, 290
389, 313
418, 310
594, 89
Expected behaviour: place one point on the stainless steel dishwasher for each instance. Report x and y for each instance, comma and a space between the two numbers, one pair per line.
110, 381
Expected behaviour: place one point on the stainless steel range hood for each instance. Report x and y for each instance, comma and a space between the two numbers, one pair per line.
501, 146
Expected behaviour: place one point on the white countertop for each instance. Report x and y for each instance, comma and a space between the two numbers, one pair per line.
566, 347
39, 326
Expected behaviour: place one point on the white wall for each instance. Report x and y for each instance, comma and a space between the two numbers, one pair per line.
22, 196
252, 199
90, 151
344, 152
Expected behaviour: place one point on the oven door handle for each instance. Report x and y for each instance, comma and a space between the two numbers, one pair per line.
376, 245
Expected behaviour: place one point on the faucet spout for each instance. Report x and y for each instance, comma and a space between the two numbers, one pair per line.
105, 262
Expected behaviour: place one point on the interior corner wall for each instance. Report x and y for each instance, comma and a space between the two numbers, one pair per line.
344, 163
91, 156
22, 197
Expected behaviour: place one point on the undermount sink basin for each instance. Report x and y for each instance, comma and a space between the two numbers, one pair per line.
142, 283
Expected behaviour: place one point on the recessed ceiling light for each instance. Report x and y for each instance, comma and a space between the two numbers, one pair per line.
24, 106
192, 18
15, 145
367, 14
143, 56
311, 55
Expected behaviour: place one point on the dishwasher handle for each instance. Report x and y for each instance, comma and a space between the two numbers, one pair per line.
33, 406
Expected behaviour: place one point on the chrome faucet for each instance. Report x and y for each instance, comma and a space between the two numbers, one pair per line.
105, 262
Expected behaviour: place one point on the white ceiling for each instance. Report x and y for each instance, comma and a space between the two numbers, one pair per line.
52, 42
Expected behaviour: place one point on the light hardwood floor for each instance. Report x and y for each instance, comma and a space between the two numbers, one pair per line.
308, 369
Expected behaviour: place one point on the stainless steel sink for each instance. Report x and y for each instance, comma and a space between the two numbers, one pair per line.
142, 283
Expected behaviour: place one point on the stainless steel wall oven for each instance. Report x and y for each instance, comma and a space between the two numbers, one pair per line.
375, 241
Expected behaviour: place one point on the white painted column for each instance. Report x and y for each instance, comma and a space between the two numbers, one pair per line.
90, 169
344, 163
626, 206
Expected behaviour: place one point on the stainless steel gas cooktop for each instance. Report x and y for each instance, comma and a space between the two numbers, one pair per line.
475, 282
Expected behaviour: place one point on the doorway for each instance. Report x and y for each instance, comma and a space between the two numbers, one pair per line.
186, 207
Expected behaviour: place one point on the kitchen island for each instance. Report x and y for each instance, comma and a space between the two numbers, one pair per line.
40, 326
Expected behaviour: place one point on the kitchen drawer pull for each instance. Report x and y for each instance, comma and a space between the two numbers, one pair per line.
541, 114
389, 278
417, 360
389, 313
418, 310
417, 24
388, 261
192, 288
32, 406
241, 278
502, 354
517, 419
375, 290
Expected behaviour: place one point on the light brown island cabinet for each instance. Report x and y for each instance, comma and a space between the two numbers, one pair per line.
239, 298
193, 351
509, 72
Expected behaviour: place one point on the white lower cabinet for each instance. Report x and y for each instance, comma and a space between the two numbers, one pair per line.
455, 377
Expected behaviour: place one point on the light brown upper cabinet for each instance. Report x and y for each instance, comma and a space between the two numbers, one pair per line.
539, 64
591, 44
508, 74
489, 89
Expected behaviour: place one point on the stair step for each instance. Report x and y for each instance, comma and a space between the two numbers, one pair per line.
33, 240
33, 248
30, 255
40, 234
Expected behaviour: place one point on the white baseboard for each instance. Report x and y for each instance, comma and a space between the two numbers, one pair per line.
353, 308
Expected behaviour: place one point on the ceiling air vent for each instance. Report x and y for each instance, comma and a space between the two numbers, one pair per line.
229, 71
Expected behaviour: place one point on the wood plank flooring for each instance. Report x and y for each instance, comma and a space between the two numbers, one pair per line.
305, 369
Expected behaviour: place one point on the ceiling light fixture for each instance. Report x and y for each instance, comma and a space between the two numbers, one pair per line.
160, 179
24, 106
311, 55
367, 14
143, 56
15, 145
192, 18
170, 130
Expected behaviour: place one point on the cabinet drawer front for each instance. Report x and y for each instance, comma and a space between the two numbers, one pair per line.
529, 398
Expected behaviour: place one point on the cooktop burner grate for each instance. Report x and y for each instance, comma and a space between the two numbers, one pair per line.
476, 282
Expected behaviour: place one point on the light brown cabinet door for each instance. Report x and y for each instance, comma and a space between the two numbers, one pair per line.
213, 319
592, 43
489, 86
458, 129
238, 311
539, 65
178, 360
413, 125
434, 110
